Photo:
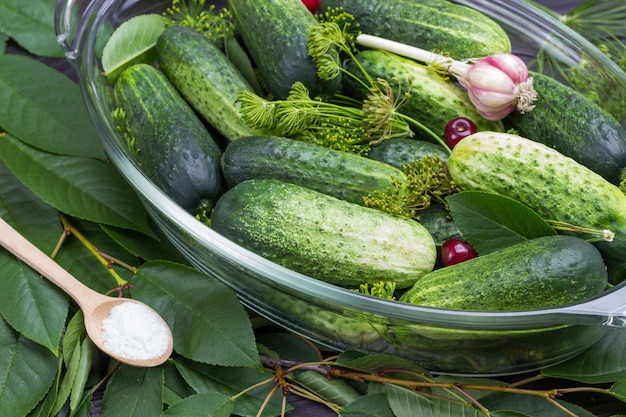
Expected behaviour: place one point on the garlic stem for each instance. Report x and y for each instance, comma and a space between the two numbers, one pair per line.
430, 58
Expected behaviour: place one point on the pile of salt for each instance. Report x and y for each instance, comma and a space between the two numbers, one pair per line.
134, 331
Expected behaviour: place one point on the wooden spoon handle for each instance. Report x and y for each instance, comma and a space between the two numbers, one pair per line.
19, 246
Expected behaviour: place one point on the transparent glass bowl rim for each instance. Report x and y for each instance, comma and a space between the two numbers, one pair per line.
78, 39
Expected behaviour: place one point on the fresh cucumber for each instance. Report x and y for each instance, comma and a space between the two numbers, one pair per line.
438, 221
205, 78
434, 25
538, 273
557, 187
276, 34
577, 127
322, 236
400, 152
172, 145
434, 101
340, 174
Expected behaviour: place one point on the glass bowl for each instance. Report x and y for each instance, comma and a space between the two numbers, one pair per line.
443, 341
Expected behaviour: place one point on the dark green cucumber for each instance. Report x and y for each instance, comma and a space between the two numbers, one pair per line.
557, 187
276, 34
322, 236
340, 174
173, 147
437, 220
575, 126
205, 78
401, 152
433, 25
538, 273
433, 101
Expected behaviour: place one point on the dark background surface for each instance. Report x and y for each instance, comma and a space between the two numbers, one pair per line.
599, 405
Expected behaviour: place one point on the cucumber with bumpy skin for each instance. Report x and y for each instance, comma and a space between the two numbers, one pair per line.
323, 237
276, 34
340, 174
544, 272
433, 102
205, 78
400, 152
433, 25
569, 122
172, 145
557, 187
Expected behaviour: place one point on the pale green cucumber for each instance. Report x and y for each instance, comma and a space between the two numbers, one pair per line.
557, 187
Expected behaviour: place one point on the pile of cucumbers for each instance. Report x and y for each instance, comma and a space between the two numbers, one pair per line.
301, 205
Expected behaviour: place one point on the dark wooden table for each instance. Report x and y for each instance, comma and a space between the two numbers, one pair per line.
306, 408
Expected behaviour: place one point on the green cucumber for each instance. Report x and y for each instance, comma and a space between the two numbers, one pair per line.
400, 152
434, 101
438, 221
205, 78
434, 25
276, 34
340, 174
173, 147
322, 236
577, 127
544, 272
557, 187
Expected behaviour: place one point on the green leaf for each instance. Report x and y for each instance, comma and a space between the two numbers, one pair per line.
208, 322
407, 403
3, 42
131, 43
531, 405
336, 391
376, 362
619, 388
45, 109
288, 345
30, 216
134, 392
86, 188
32, 305
207, 404
27, 370
604, 361
370, 404
31, 24
232, 381
491, 222
175, 387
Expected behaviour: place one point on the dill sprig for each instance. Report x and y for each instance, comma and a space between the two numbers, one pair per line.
343, 124
428, 181
192, 13
381, 289
334, 38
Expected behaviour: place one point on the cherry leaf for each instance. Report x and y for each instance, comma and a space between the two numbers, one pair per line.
490, 222
131, 43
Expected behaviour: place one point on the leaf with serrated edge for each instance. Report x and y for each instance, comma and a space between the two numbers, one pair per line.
490, 222
86, 188
207, 404
208, 322
31, 24
27, 371
603, 362
42, 308
45, 109
131, 43
232, 381
134, 392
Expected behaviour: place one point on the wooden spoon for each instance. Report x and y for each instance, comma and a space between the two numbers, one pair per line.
96, 307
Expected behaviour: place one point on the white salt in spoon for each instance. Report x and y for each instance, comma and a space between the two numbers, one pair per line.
152, 347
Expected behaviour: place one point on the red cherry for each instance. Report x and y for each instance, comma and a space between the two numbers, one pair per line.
457, 129
312, 5
454, 251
